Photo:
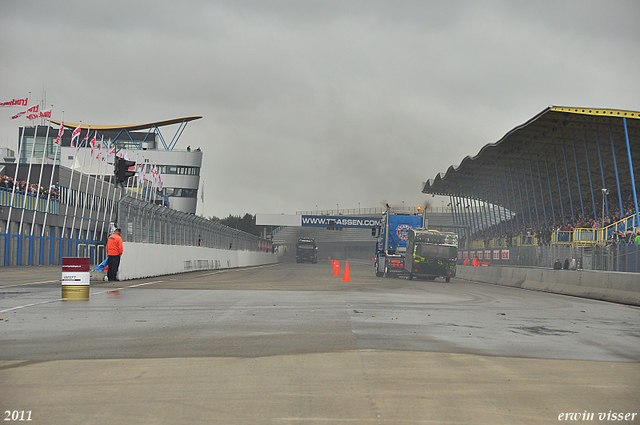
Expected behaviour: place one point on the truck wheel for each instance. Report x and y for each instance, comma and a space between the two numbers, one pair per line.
410, 276
386, 272
448, 279
375, 267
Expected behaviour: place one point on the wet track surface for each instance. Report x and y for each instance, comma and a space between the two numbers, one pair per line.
302, 308
291, 343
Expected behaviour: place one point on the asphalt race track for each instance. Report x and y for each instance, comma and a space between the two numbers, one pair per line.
292, 344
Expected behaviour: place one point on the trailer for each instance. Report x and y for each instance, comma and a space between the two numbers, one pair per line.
431, 254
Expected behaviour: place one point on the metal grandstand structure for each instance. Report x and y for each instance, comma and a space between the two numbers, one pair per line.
568, 176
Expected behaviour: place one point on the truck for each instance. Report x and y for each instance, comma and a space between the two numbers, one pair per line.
431, 254
306, 250
391, 242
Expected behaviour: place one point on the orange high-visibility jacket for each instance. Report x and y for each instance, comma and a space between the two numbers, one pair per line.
114, 245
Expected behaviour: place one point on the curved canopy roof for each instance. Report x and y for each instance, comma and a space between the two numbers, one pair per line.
131, 127
558, 149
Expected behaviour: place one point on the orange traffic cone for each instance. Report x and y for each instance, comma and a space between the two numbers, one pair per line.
333, 267
346, 277
336, 269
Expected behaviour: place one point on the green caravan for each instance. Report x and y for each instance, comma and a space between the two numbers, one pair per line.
431, 254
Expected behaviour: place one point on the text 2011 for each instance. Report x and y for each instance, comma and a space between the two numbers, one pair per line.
17, 415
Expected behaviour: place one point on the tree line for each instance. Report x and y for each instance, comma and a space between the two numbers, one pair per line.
246, 223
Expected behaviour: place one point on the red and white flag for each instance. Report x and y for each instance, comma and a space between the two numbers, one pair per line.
75, 135
16, 102
159, 181
142, 173
110, 154
60, 132
93, 143
84, 140
45, 114
154, 175
32, 112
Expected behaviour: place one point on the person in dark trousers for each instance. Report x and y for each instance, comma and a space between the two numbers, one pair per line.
566, 264
114, 251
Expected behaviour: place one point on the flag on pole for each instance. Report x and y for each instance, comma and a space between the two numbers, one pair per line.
84, 141
60, 132
45, 114
16, 102
143, 172
93, 143
75, 135
32, 112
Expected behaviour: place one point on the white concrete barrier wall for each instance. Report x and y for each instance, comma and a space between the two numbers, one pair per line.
608, 286
141, 260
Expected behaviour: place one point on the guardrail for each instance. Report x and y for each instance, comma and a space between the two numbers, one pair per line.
28, 202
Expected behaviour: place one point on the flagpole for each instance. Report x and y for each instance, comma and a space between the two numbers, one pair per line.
108, 190
44, 154
138, 176
95, 183
102, 170
55, 157
69, 190
27, 187
15, 177
75, 209
86, 186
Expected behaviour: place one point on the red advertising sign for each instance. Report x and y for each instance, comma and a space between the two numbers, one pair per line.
505, 254
72, 264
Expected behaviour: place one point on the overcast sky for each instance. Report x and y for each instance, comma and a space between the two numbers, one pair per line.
319, 103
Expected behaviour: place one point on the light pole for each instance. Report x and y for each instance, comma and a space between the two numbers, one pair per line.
605, 192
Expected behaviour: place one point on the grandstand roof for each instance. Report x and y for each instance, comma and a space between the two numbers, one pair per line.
584, 136
130, 127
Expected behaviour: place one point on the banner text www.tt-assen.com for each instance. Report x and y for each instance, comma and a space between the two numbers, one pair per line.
338, 221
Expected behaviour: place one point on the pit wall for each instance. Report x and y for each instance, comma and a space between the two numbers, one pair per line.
616, 287
147, 260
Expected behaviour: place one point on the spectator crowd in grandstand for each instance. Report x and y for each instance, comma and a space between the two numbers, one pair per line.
21, 186
543, 234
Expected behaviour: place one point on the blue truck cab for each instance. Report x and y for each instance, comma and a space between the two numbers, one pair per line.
391, 242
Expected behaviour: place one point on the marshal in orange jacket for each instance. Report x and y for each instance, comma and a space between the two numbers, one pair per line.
114, 244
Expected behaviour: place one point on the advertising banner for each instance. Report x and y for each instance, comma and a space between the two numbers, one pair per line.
340, 221
76, 271
505, 254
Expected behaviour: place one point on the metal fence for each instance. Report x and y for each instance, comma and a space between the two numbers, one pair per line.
619, 258
145, 222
